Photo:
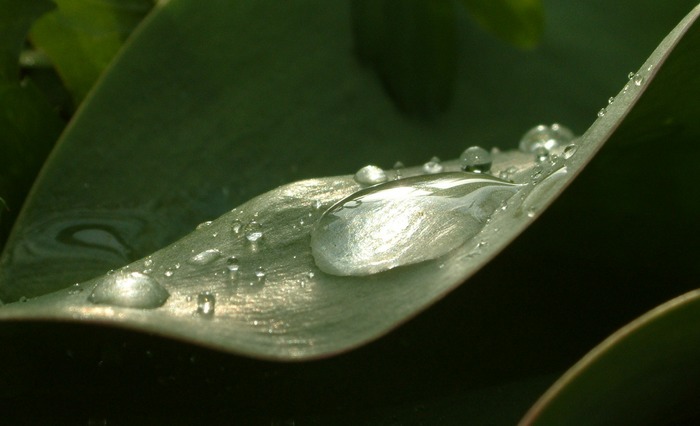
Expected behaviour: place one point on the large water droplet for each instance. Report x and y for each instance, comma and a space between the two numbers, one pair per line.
370, 175
406, 221
476, 159
130, 290
206, 257
547, 137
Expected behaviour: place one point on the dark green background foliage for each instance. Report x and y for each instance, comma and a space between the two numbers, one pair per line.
247, 95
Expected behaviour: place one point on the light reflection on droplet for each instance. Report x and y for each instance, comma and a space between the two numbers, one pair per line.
405, 221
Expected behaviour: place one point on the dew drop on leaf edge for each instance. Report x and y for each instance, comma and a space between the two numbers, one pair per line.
370, 175
476, 159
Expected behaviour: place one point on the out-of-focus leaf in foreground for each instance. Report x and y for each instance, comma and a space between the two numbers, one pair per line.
646, 373
247, 281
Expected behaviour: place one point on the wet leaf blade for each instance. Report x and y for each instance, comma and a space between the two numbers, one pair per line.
264, 133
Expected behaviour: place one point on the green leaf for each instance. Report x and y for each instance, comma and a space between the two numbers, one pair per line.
277, 303
645, 373
584, 268
82, 36
28, 125
520, 22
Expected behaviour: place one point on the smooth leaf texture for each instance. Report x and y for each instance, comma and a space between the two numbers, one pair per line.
533, 309
645, 373
293, 312
82, 36
240, 121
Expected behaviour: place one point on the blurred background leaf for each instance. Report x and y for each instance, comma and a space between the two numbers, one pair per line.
28, 124
412, 45
82, 36
520, 22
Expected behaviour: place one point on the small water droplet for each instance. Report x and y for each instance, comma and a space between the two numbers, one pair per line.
625, 88
370, 175
260, 272
253, 231
130, 290
236, 226
531, 212
203, 225
541, 154
398, 170
569, 151
601, 112
405, 221
311, 274
638, 79
476, 159
76, 289
206, 257
148, 271
433, 166
169, 273
206, 304
507, 173
148, 262
233, 264
548, 137
318, 204
177, 265
611, 100
23, 299
630, 75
